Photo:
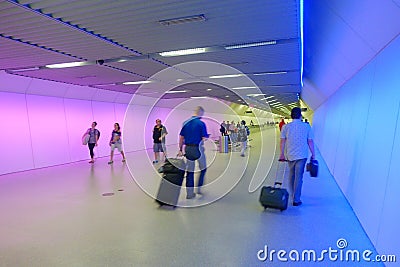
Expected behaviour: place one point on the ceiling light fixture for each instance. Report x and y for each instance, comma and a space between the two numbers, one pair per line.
268, 97
225, 76
24, 69
68, 65
197, 97
209, 89
137, 82
175, 92
244, 87
105, 84
184, 52
270, 73
254, 95
228, 47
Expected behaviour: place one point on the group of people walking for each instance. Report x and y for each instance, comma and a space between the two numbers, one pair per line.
296, 139
91, 138
237, 134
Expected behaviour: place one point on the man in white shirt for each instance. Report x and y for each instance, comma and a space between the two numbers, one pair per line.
296, 139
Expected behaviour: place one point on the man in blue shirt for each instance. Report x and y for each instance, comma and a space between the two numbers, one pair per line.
192, 135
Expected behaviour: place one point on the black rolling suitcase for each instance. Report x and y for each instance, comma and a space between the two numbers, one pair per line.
275, 196
170, 186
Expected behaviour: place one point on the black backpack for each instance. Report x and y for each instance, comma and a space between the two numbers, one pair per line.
98, 133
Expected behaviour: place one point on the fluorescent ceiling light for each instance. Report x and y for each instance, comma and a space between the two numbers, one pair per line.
175, 92
67, 65
190, 51
25, 69
137, 82
268, 97
244, 87
227, 96
270, 73
225, 76
254, 95
209, 89
228, 47
195, 97
273, 100
105, 84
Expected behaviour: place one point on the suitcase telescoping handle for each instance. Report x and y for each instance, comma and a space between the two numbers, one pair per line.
281, 165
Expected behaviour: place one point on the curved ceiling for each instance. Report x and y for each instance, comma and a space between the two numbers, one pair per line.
120, 41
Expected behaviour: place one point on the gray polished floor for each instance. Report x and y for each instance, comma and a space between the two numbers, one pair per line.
58, 216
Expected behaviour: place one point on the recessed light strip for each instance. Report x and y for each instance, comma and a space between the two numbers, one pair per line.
68, 65
175, 92
228, 47
270, 73
25, 69
184, 52
244, 87
225, 76
136, 82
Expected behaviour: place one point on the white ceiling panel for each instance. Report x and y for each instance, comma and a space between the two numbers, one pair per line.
144, 67
14, 54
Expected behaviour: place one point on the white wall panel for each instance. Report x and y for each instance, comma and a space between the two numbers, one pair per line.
387, 242
80, 92
120, 110
342, 163
47, 88
13, 83
378, 144
123, 98
15, 135
367, 156
133, 128
48, 130
105, 95
365, 18
79, 117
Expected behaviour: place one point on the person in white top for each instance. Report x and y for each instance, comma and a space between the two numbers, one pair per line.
296, 139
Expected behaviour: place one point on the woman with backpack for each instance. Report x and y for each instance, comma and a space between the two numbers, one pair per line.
94, 136
242, 136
